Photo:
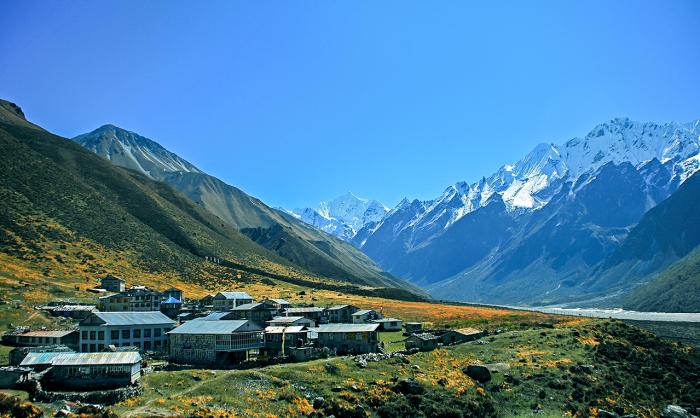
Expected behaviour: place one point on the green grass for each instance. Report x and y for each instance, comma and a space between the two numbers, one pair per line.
543, 363
5, 355
393, 341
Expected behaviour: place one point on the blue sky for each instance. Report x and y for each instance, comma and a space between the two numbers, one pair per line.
296, 102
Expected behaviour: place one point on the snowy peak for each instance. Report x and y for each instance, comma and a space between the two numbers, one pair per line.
530, 183
131, 150
342, 216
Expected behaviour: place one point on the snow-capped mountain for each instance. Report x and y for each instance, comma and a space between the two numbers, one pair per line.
342, 216
530, 183
131, 150
594, 189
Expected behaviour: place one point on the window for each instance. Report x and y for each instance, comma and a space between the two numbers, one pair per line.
125, 334
84, 348
137, 333
100, 335
147, 345
156, 332
114, 334
147, 333
92, 335
85, 335
100, 347
92, 348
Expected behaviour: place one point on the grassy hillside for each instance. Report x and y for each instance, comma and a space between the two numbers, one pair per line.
286, 236
68, 217
676, 289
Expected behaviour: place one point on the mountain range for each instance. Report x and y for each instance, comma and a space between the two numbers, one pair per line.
58, 196
277, 231
555, 227
342, 216
562, 225
608, 219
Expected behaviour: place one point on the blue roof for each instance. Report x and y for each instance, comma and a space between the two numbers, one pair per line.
171, 300
35, 359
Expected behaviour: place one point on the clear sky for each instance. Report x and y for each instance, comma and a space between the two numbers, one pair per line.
295, 102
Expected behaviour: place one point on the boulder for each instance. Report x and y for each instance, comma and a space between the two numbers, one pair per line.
477, 372
675, 411
409, 387
319, 402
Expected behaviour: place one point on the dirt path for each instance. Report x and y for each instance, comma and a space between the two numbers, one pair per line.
144, 408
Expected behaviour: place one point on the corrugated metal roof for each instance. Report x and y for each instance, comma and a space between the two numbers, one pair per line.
171, 300
214, 316
90, 359
251, 306
286, 330
50, 334
235, 295
345, 328
387, 320
285, 319
336, 307
280, 301
213, 327
304, 309
36, 359
134, 318
362, 312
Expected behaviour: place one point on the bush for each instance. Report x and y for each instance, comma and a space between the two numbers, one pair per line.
12, 406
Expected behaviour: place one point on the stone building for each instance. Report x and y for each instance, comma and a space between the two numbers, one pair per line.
173, 292
388, 324
89, 371
133, 299
286, 321
217, 342
341, 313
257, 312
112, 283
281, 304
314, 313
281, 338
348, 338
423, 342
69, 338
225, 301
144, 330
365, 316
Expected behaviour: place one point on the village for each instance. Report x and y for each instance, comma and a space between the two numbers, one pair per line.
134, 330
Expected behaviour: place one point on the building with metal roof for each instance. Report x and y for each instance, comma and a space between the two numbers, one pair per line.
348, 338
388, 324
220, 327
314, 313
291, 320
224, 301
341, 313
42, 338
280, 339
365, 315
213, 316
145, 330
39, 360
92, 370
214, 341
